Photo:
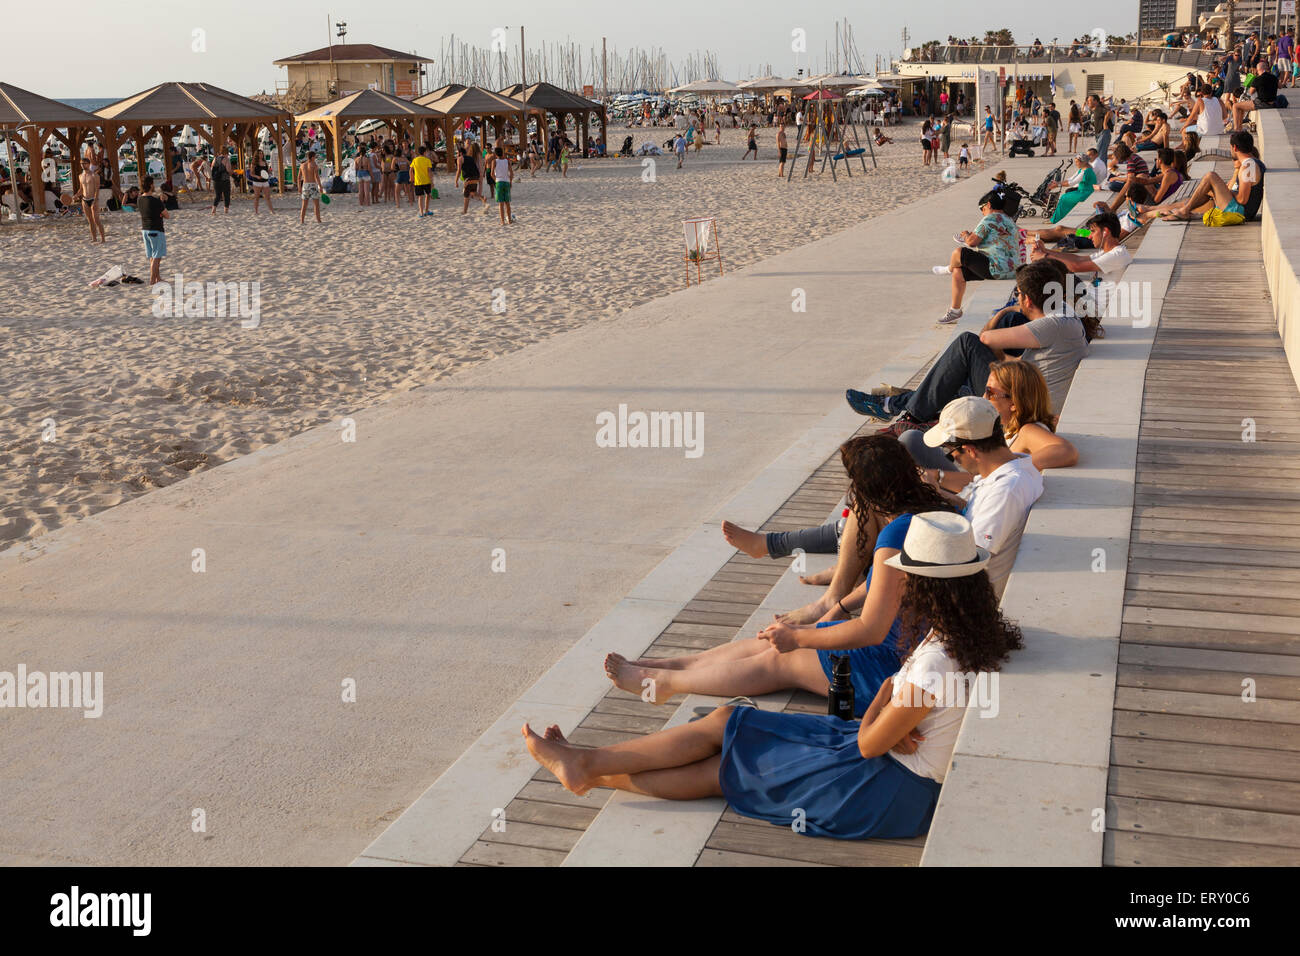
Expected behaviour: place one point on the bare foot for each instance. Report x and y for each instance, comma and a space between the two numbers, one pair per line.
660, 663
553, 732
821, 578
809, 613
634, 679
559, 758
752, 543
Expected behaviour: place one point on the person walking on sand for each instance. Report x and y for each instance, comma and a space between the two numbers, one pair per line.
782, 148
505, 176
89, 201
988, 128
309, 183
470, 173
221, 180
422, 177
260, 179
152, 213
679, 147
753, 144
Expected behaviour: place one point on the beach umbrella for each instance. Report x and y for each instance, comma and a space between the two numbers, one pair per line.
822, 95
771, 83
837, 81
867, 91
707, 86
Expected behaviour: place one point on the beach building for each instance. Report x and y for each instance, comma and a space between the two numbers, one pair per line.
321, 76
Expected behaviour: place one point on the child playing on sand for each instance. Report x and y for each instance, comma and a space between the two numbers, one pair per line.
564, 160
505, 175
679, 147
152, 213
753, 144
963, 158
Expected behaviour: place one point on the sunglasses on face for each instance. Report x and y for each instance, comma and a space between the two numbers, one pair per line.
952, 451
994, 393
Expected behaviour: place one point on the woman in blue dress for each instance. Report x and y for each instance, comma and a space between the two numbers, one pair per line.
879, 777
885, 491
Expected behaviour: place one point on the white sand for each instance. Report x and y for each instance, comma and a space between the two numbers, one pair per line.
370, 303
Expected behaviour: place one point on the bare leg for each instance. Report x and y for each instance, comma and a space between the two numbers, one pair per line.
760, 673
580, 769
958, 279
731, 651
849, 568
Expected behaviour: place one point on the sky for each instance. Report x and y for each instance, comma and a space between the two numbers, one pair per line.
130, 47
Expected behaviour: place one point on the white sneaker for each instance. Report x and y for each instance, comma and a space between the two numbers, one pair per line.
951, 316
941, 270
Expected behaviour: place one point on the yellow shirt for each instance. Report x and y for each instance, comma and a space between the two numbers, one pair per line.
420, 167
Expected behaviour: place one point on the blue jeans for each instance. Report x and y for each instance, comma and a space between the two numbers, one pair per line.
1103, 143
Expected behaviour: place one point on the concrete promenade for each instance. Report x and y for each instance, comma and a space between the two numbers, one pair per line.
371, 561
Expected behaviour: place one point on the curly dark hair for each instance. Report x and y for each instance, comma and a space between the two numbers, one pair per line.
965, 616
884, 482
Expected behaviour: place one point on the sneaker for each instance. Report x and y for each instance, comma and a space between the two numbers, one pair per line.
873, 406
951, 316
941, 270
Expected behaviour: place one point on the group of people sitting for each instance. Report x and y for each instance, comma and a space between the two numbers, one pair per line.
937, 503
923, 551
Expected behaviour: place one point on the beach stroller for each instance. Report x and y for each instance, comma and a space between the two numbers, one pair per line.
1044, 197
627, 147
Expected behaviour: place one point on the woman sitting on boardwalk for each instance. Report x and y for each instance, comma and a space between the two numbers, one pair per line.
885, 492
879, 777
1083, 181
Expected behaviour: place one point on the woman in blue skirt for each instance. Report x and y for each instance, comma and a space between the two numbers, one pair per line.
879, 777
885, 491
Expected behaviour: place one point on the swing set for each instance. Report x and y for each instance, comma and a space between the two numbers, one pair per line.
833, 120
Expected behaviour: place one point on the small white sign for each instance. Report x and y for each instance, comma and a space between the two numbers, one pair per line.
1288, 8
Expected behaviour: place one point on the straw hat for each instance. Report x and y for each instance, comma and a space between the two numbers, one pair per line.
940, 544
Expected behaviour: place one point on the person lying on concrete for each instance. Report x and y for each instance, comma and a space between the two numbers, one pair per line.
885, 491
1056, 342
879, 777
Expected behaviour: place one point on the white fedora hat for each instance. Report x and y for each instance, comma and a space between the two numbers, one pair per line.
940, 544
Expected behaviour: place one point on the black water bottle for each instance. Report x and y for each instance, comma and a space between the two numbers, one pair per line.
840, 693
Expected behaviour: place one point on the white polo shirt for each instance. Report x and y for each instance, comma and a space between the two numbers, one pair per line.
998, 507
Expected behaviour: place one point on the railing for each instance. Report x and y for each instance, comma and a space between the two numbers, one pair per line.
1199, 60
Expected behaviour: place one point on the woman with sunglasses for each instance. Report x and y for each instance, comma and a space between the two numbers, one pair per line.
1019, 392
878, 777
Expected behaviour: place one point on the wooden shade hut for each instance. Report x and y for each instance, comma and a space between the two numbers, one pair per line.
473, 103
32, 119
402, 116
541, 99
215, 114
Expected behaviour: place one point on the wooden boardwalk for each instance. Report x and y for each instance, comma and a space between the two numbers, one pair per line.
1200, 774
545, 821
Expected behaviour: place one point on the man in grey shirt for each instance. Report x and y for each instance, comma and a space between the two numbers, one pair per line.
1056, 344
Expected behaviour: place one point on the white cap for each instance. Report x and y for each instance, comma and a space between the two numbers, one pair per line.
968, 418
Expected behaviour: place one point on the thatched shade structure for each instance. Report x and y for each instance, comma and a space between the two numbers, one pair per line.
401, 115
543, 98
473, 103
216, 114
32, 119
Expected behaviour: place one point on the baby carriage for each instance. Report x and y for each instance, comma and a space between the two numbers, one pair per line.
1042, 201
627, 147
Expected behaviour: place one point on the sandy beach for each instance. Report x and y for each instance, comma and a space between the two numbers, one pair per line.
101, 401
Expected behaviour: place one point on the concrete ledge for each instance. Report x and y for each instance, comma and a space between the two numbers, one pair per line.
1027, 784
1281, 229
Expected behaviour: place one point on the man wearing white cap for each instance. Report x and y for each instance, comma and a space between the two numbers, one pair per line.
1005, 484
